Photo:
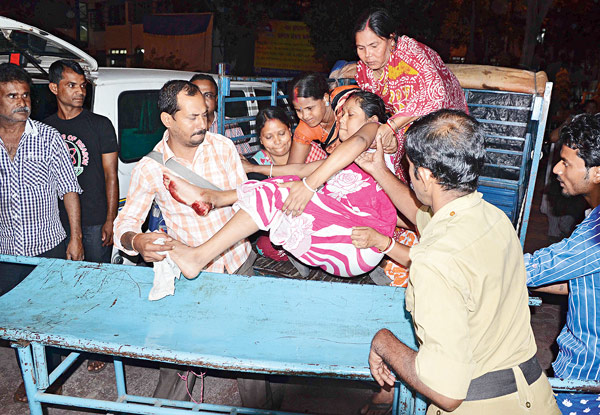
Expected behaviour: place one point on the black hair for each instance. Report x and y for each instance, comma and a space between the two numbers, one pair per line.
451, 145
57, 68
9, 72
167, 96
371, 104
205, 77
309, 85
379, 21
271, 113
583, 134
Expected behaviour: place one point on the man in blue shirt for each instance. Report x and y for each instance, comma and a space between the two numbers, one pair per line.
572, 266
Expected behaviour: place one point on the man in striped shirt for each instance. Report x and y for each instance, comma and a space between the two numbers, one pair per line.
214, 157
35, 168
572, 266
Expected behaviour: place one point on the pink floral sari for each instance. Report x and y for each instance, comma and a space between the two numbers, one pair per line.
414, 82
320, 236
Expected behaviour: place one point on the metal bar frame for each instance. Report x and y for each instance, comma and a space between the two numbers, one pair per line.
224, 97
537, 152
32, 357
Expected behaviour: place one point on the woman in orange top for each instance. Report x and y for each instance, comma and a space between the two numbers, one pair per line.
315, 106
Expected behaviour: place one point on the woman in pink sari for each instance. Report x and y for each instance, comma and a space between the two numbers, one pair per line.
410, 77
311, 218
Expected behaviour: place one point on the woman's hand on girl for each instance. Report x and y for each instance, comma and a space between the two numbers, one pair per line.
298, 198
388, 139
372, 162
364, 237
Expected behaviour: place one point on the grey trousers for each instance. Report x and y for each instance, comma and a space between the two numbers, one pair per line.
255, 390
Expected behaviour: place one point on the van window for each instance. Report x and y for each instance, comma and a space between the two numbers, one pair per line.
140, 127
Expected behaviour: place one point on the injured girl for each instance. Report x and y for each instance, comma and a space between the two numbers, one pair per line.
310, 209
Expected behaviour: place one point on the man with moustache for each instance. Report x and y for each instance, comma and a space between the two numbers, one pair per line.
212, 156
35, 168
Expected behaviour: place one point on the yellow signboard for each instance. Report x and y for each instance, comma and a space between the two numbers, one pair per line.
284, 46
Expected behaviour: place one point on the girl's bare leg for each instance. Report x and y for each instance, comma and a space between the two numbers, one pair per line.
192, 260
200, 199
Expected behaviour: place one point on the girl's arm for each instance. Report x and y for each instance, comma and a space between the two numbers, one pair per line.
343, 155
301, 170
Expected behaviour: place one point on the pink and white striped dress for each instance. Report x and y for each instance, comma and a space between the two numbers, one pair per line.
320, 236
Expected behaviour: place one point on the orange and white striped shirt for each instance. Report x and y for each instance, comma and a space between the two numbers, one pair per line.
217, 161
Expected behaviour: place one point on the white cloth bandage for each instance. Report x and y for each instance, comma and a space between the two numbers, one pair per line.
165, 272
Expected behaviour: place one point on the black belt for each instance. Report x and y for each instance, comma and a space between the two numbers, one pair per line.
502, 382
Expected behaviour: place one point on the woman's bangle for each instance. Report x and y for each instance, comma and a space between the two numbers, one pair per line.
389, 247
392, 125
271, 171
307, 186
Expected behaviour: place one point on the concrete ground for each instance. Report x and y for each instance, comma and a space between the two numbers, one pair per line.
304, 395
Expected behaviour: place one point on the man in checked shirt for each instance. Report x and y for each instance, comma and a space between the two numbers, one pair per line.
214, 157
35, 168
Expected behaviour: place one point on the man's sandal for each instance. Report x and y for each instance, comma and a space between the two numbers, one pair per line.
96, 366
20, 395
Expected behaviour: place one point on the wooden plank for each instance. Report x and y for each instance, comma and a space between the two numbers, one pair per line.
481, 77
499, 78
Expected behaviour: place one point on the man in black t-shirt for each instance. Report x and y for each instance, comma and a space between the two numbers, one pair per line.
92, 145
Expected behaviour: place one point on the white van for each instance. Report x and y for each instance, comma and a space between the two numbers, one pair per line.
127, 96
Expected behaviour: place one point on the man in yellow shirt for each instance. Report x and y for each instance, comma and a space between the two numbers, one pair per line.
466, 293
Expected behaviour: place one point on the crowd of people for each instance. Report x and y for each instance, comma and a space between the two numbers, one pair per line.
379, 176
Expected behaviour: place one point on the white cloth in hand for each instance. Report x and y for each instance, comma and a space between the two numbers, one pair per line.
165, 272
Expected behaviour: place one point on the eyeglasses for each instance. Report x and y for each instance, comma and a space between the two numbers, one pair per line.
209, 95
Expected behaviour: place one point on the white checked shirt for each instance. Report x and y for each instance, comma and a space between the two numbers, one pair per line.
30, 185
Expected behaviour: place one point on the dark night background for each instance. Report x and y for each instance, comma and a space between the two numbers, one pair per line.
558, 36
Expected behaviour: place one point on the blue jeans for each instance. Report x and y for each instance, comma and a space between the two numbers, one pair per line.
93, 250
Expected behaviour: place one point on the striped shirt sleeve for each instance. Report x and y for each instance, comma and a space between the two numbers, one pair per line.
573, 257
135, 211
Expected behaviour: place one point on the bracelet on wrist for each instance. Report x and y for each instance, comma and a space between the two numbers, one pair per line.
271, 171
389, 247
307, 186
132, 245
392, 125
